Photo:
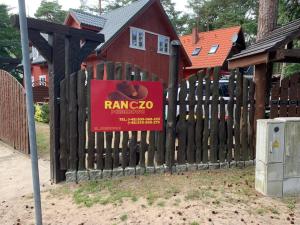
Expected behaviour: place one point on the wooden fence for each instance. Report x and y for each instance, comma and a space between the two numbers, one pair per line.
13, 125
210, 129
285, 97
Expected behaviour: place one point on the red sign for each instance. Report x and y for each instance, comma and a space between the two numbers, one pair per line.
118, 105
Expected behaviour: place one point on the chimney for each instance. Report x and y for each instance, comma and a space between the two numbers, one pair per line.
100, 7
195, 36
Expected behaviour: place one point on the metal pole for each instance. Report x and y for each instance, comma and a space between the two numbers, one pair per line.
172, 98
30, 112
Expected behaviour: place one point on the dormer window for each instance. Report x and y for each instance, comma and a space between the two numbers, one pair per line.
163, 44
196, 51
137, 38
213, 49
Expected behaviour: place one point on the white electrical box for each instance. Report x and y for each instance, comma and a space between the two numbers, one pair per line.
278, 157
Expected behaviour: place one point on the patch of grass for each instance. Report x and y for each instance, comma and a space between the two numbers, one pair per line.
43, 140
161, 204
177, 201
291, 203
134, 198
199, 194
151, 197
124, 217
172, 191
194, 223
104, 192
274, 210
261, 211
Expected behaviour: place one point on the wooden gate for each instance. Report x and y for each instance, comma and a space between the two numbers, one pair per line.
13, 119
285, 97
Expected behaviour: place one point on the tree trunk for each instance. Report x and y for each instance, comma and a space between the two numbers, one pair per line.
267, 17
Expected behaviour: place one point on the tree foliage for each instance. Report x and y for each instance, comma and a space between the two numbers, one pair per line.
9, 36
215, 14
51, 11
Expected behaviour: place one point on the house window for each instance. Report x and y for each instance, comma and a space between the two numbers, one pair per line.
213, 49
32, 81
42, 79
196, 51
137, 38
163, 44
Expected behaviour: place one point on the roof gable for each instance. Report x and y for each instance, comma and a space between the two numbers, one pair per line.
115, 21
206, 40
86, 19
273, 40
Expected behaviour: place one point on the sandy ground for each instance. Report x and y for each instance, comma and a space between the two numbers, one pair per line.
226, 200
15, 173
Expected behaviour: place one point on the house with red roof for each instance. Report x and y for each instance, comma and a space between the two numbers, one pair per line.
139, 33
212, 48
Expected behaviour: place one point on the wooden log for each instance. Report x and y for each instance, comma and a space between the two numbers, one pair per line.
73, 112
151, 148
244, 135
161, 136
100, 135
284, 93
134, 134
206, 117
172, 98
110, 72
222, 132
251, 120
143, 148
293, 95
63, 111
214, 118
199, 116
181, 127
230, 107
91, 135
237, 119
298, 96
191, 150
82, 104
116, 161
125, 139
275, 93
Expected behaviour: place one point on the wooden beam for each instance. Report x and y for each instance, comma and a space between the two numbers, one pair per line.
286, 55
40, 43
50, 28
260, 78
86, 49
260, 58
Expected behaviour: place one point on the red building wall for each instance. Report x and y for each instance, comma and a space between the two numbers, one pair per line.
39, 69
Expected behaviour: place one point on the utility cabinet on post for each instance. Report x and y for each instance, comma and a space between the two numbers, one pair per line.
278, 157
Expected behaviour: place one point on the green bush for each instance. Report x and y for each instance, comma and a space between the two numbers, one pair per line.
42, 113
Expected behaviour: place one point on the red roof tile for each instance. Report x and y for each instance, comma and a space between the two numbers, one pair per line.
221, 37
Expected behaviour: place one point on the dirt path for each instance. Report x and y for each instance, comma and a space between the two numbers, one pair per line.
15, 173
203, 197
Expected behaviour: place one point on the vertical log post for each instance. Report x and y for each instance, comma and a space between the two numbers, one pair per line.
110, 72
172, 98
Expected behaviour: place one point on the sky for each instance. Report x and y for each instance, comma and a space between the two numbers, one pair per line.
32, 5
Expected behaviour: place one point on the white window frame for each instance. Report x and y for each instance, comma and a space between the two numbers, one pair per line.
40, 81
32, 81
138, 30
216, 46
158, 45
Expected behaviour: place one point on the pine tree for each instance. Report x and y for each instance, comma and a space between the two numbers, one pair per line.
51, 11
